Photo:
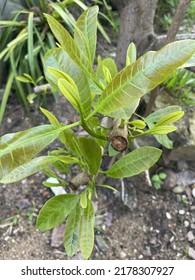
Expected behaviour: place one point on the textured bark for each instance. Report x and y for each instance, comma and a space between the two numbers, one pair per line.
136, 26
178, 18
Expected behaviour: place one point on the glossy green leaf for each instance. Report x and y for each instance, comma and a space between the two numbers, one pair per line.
91, 152
52, 119
110, 65
19, 148
189, 63
107, 75
71, 241
71, 142
126, 112
58, 59
170, 118
27, 169
131, 54
23, 79
86, 230
138, 123
162, 139
146, 73
69, 45
83, 199
67, 159
135, 162
55, 210
157, 115
70, 93
161, 129
86, 32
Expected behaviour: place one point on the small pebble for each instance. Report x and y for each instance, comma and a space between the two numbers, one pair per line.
186, 223
192, 226
191, 253
181, 212
168, 215
178, 189
123, 255
140, 257
190, 236
193, 192
23, 203
172, 238
147, 252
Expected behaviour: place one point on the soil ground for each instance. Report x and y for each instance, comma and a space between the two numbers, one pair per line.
160, 225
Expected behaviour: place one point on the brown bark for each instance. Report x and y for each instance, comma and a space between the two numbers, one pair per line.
177, 19
136, 26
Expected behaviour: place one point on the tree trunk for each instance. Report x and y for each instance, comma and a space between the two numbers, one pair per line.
136, 26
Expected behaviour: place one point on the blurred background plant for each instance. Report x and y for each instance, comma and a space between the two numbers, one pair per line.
25, 40
181, 85
166, 10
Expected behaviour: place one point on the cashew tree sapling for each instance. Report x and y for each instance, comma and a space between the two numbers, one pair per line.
95, 95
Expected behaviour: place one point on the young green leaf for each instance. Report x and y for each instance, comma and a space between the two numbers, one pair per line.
83, 199
107, 75
86, 230
142, 76
67, 159
27, 169
71, 241
157, 115
170, 118
55, 210
162, 139
52, 119
108, 187
71, 142
68, 90
23, 79
91, 152
161, 129
69, 45
86, 32
131, 54
110, 65
58, 65
138, 123
19, 148
134, 163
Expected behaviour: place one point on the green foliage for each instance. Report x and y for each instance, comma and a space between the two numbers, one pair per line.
157, 180
181, 85
26, 39
166, 10
94, 95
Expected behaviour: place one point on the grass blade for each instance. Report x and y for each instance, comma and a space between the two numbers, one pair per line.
30, 44
6, 95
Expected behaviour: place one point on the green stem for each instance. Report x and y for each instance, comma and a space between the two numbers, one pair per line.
71, 125
92, 132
